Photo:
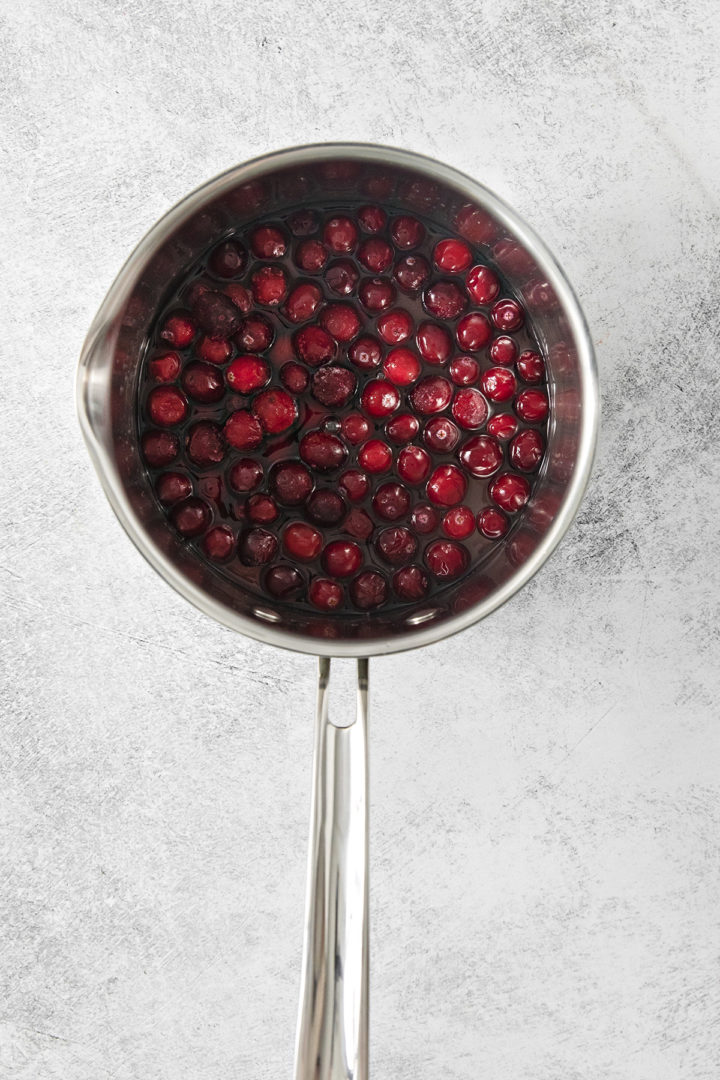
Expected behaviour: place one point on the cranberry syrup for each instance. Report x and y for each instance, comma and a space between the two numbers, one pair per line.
343, 408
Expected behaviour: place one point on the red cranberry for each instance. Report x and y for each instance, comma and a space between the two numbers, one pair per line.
410, 583
284, 582
261, 509
333, 386
483, 284
242, 430
531, 405
473, 332
341, 321
397, 545
507, 315
391, 501
228, 259
375, 254
502, 426
499, 383
441, 435
380, 398
191, 517
375, 456
325, 507
464, 370
302, 542
342, 276
294, 377
376, 294
324, 594
303, 302
434, 343
247, 374
368, 590
256, 546
412, 272
446, 486
205, 445
476, 225
314, 345
167, 406
469, 408
526, 450
311, 256
269, 285
481, 455
407, 232
365, 353
355, 484
503, 350
531, 367
218, 543
510, 491
240, 296
290, 482
452, 256
275, 410
354, 428
159, 448
358, 524
321, 450
492, 523
203, 382
172, 487
213, 350
431, 395
413, 464
395, 326
446, 559
268, 242
403, 428
372, 219
341, 558
165, 367
445, 300
245, 475
424, 519
303, 222
178, 330
459, 523
255, 334
217, 315
402, 367
340, 234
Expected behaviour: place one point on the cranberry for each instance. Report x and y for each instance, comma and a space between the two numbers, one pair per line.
159, 448
275, 410
325, 507
445, 300
355, 484
245, 475
503, 350
172, 487
391, 501
407, 232
178, 330
342, 276
531, 366
499, 384
354, 428
446, 486
376, 294
375, 254
302, 542
424, 519
213, 350
165, 367
410, 583
469, 408
340, 234
434, 343
459, 523
324, 594
242, 430
358, 524
268, 242
294, 377
290, 482
303, 222
507, 315
368, 590
473, 332
365, 353
481, 455
284, 582
218, 543
321, 450
375, 456
502, 426
311, 256
526, 450
412, 272
341, 558
203, 382
532, 406
261, 509
341, 321
476, 225
464, 370
452, 256
413, 464
269, 285
191, 517
217, 315
205, 445
314, 345
228, 259
397, 545
441, 435
403, 428
510, 491
247, 374
446, 559
483, 284
402, 367
333, 386
431, 395
240, 296
492, 523
256, 546
303, 302
372, 219
255, 334
395, 326
380, 398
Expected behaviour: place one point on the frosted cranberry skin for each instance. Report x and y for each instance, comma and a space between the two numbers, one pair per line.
178, 330
502, 426
213, 350
452, 256
294, 377
499, 384
507, 315
446, 486
256, 546
322, 450
171, 487
267, 242
218, 543
227, 260
441, 435
290, 482
325, 507
191, 517
165, 368
531, 366
531, 406
403, 428
413, 464
247, 374
341, 321
243, 431
159, 448
375, 254
217, 315
261, 509
324, 594
431, 395
482, 284
368, 590
459, 523
424, 519
341, 558
303, 302
412, 273
402, 367
314, 346
365, 353
469, 408
269, 285
410, 583
311, 256
245, 475
434, 343
407, 232
358, 524
302, 541
342, 276
275, 410
397, 545
354, 428
464, 371
492, 523
395, 327
372, 219
355, 484
376, 294
284, 582
375, 456
254, 335
510, 492
481, 455
391, 501
503, 350
380, 398
167, 406
446, 559
445, 300
341, 234
205, 444
473, 332
333, 386
526, 450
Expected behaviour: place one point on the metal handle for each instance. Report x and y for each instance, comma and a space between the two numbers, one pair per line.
332, 1035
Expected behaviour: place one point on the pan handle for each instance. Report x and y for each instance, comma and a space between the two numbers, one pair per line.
332, 1034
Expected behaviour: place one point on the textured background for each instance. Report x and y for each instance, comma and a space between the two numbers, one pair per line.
544, 787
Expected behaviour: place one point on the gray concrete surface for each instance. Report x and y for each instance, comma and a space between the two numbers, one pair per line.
545, 828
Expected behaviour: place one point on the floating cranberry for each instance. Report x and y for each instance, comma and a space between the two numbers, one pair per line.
303, 222
314, 345
217, 315
446, 486
172, 487
178, 330
275, 410
502, 426
159, 448
402, 367
510, 492
322, 450
481, 455
397, 545
452, 256
391, 501
340, 234
284, 582
341, 321
380, 398
532, 406
167, 406
218, 543
531, 366
341, 558
459, 523
473, 331
203, 382
205, 444
402, 428
368, 590
324, 594
269, 285
526, 450
268, 242
375, 254
290, 482
191, 517
499, 383
413, 464
354, 428
255, 334
333, 386
302, 541
375, 456
412, 273
483, 285
503, 350
165, 367
507, 315
410, 583
261, 509
431, 395
469, 408
303, 302
243, 431
395, 326
358, 524
376, 294
342, 276
245, 475
492, 523
355, 484
464, 370
213, 350
434, 343
228, 259
325, 507
424, 519
247, 374
257, 546
372, 219
407, 232
294, 377
240, 296
365, 353
445, 300
441, 435
311, 256
446, 559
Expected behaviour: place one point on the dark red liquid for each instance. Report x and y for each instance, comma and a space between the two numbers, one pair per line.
343, 407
